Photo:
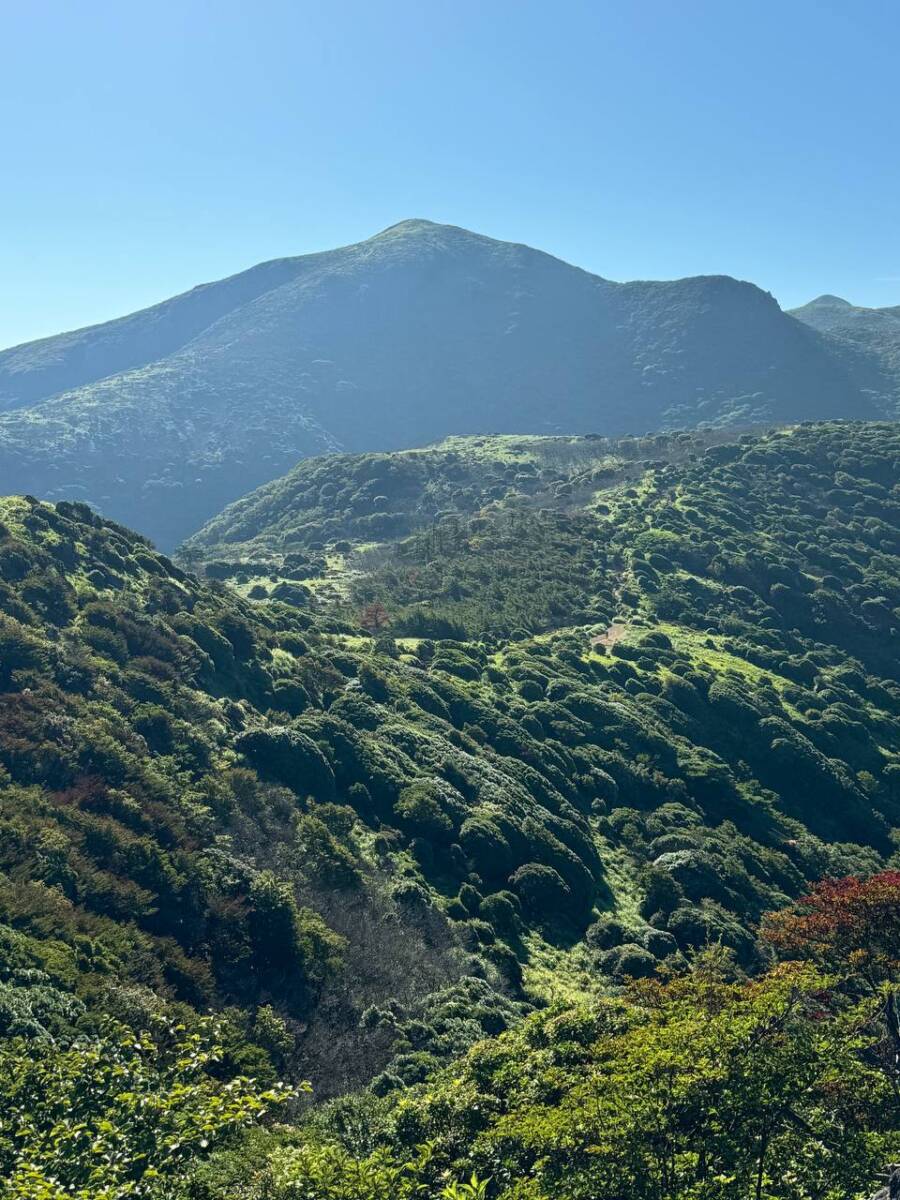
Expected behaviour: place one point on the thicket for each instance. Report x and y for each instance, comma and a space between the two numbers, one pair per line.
602, 737
698, 1085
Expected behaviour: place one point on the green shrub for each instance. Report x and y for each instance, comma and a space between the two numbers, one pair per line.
419, 807
291, 757
543, 892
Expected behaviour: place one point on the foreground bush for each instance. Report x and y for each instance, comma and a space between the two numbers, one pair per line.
116, 1115
698, 1086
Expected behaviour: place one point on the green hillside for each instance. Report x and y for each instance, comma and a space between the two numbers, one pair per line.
163, 417
873, 331
578, 712
371, 499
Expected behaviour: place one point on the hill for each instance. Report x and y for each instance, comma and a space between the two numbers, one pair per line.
873, 332
423, 331
598, 722
383, 497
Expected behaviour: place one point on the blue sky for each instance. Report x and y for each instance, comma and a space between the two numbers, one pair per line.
147, 147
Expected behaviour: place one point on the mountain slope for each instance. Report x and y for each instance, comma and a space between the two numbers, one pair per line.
36, 370
873, 332
422, 331
621, 702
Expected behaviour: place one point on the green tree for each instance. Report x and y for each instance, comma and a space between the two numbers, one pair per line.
114, 1116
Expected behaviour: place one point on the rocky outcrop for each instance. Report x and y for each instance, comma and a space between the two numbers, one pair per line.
891, 1190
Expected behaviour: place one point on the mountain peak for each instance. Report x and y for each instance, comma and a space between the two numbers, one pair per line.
418, 230
829, 301
411, 225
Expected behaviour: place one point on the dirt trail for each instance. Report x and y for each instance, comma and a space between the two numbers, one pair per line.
613, 634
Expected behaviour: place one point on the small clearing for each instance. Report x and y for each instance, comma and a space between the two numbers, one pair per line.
613, 634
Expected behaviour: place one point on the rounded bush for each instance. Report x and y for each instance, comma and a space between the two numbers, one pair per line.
607, 931
629, 961
290, 757
543, 891
290, 696
659, 943
419, 808
485, 846
501, 909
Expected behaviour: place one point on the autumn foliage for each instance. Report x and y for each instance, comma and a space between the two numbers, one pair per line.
844, 923
374, 617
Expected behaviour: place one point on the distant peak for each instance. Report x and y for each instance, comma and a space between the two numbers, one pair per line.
434, 231
410, 225
828, 301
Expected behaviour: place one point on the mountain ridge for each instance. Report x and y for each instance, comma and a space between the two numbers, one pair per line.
13, 359
422, 331
873, 333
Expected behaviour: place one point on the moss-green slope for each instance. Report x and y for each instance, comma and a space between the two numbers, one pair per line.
370, 851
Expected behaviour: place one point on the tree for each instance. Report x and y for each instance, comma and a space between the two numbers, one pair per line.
374, 617
112, 1117
843, 923
850, 927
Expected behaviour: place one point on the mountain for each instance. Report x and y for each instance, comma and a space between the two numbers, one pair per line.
163, 417
429, 812
873, 333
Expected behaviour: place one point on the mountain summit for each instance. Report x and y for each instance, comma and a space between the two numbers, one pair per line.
829, 301
162, 417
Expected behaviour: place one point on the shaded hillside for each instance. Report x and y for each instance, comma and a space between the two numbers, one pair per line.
873, 333
37, 370
376, 498
177, 833
421, 332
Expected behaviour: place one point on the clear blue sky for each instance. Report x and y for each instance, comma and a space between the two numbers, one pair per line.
149, 145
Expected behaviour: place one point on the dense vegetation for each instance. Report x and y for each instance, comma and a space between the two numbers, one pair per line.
179, 815
695, 1086
369, 499
533, 770
871, 334
163, 417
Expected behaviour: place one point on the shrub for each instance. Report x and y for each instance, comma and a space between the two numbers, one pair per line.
543, 891
530, 689
628, 961
293, 949
325, 858
607, 931
116, 1114
470, 899
502, 910
291, 757
290, 696
419, 808
486, 847
19, 650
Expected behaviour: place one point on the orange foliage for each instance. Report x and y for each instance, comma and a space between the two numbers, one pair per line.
844, 923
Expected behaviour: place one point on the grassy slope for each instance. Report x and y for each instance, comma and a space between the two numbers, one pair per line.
372, 853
